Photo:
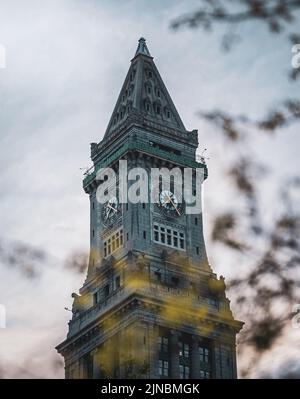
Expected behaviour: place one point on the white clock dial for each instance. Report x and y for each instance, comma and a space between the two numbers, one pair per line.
169, 203
110, 210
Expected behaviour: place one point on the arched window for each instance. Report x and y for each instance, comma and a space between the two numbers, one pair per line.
148, 87
147, 106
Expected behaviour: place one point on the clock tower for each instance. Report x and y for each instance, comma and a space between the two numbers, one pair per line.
151, 306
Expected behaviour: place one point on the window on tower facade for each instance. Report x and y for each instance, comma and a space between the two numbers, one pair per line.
95, 298
117, 282
106, 290
163, 368
163, 355
184, 359
169, 236
203, 354
204, 374
204, 360
113, 243
147, 106
175, 281
184, 372
184, 349
157, 276
163, 344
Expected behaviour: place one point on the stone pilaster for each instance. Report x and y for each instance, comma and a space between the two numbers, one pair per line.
194, 356
174, 354
234, 366
153, 349
96, 363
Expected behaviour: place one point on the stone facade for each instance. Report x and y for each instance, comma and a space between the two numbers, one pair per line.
151, 306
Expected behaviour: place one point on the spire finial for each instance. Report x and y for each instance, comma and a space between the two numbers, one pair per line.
142, 47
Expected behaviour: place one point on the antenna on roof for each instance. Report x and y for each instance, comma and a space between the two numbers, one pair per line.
86, 170
202, 157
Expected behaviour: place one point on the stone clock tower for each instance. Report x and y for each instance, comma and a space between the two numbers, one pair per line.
151, 306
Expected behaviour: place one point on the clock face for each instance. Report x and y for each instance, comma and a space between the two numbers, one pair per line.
169, 204
111, 211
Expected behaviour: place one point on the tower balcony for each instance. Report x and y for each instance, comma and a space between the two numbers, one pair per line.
140, 146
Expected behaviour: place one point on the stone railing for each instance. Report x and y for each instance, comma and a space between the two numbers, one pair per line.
143, 147
156, 291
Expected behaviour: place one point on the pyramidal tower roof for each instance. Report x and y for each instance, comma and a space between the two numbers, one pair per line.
144, 95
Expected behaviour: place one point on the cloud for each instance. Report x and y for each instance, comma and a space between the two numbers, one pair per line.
66, 62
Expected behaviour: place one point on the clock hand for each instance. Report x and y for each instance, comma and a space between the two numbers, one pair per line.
111, 207
170, 200
107, 213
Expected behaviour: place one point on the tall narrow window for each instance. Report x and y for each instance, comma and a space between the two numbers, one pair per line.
203, 354
163, 368
106, 291
204, 374
184, 349
95, 298
157, 276
184, 372
163, 344
117, 282
175, 281
114, 242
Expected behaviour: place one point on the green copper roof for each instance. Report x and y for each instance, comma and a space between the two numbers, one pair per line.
144, 92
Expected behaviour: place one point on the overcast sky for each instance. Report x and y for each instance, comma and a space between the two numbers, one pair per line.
65, 64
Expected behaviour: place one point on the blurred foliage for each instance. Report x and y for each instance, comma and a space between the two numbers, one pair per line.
266, 286
23, 258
